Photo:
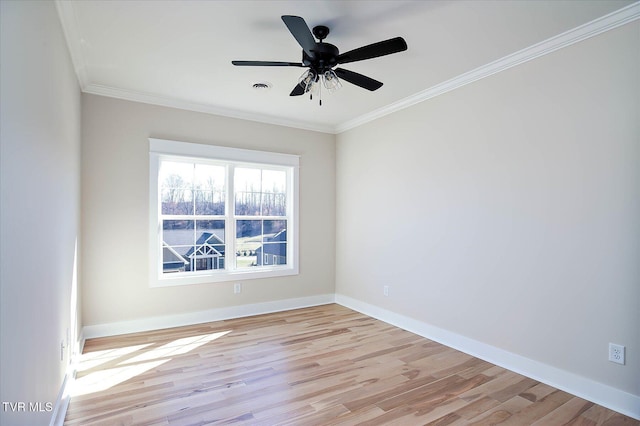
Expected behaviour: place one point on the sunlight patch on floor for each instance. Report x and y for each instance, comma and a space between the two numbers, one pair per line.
177, 347
106, 379
143, 360
94, 359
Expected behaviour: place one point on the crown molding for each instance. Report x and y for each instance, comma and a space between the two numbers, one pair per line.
590, 29
130, 95
597, 26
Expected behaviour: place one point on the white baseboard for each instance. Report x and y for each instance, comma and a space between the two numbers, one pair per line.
219, 314
62, 403
582, 387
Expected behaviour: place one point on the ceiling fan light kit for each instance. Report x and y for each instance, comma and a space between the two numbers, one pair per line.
331, 81
308, 81
321, 58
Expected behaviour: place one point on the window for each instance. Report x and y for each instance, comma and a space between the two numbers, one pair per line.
221, 214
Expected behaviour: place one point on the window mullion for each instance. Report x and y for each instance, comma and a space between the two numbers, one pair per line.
231, 220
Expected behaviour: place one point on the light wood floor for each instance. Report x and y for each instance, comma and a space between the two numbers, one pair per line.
325, 365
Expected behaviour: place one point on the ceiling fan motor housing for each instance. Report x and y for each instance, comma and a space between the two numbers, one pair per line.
325, 57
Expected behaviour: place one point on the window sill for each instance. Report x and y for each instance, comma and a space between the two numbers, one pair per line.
171, 280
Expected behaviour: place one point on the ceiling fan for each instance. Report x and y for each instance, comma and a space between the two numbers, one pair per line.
321, 58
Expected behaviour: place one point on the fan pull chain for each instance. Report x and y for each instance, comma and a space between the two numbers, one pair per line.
319, 92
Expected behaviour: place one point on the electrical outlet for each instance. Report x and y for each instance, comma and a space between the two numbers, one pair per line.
237, 288
616, 353
385, 290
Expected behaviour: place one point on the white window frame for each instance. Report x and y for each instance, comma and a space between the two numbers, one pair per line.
160, 149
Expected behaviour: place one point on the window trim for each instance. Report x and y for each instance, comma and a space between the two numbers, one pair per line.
160, 149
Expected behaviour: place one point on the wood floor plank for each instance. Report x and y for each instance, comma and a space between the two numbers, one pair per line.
500, 413
565, 413
477, 407
325, 365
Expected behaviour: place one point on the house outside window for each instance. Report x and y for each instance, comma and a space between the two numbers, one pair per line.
221, 214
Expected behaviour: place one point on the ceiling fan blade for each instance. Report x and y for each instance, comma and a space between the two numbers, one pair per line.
301, 32
375, 50
267, 64
358, 79
297, 91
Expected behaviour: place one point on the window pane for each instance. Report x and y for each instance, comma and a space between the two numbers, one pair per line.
273, 254
274, 193
177, 201
261, 242
209, 189
247, 186
209, 250
177, 240
211, 227
173, 259
176, 183
274, 247
190, 245
260, 192
274, 228
248, 239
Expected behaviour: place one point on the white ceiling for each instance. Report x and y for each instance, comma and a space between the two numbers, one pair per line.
179, 53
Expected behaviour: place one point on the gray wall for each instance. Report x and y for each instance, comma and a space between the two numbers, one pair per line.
39, 205
115, 210
507, 211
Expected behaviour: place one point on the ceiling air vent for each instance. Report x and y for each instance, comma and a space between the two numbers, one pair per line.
262, 86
